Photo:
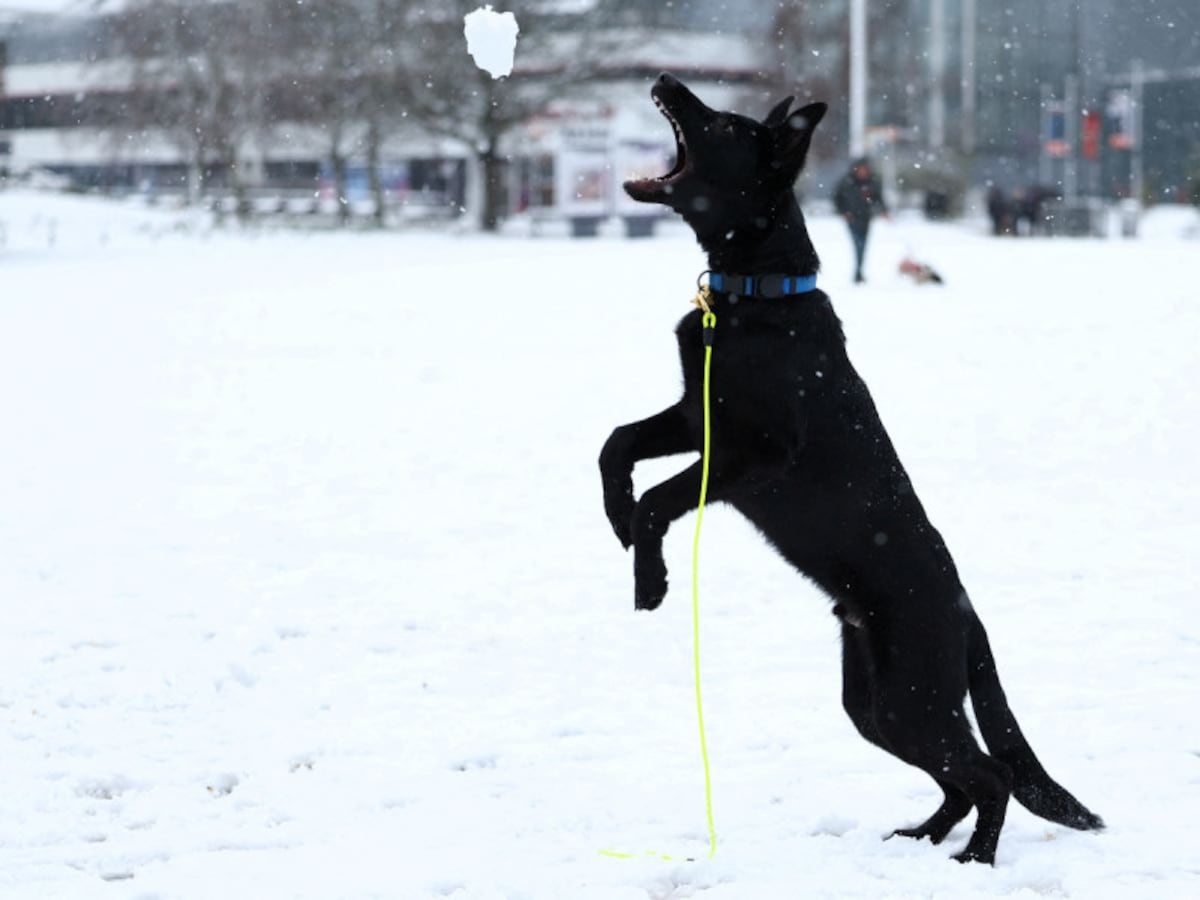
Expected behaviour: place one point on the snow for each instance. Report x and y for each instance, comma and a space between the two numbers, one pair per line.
491, 40
308, 591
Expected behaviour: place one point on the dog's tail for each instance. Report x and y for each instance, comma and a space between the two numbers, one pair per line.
1033, 788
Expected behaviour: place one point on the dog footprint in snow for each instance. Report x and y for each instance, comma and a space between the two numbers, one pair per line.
303, 762
222, 785
834, 826
93, 645
473, 763
238, 675
106, 788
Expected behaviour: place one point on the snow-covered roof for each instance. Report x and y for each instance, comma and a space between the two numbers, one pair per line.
65, 78
54, 7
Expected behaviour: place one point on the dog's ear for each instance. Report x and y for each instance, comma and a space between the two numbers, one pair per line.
793, 135
778, 113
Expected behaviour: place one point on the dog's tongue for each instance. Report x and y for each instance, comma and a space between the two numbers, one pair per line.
645, 190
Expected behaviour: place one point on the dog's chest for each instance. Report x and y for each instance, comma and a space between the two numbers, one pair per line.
759, 373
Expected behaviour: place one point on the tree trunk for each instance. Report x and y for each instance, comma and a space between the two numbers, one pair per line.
491, 167
241, 195
338, 161
374, 139
195, 178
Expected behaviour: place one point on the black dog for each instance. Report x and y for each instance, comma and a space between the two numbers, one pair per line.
798, 448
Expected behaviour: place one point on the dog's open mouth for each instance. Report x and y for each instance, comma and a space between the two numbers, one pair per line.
652, 189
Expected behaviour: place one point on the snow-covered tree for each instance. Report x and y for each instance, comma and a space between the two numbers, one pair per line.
558, 55
199, 76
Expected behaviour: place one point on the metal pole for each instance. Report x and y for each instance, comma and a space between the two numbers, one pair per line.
1071, 135
858, 77
937, 75
967, 83
1043, 135
1137, 80
5, 147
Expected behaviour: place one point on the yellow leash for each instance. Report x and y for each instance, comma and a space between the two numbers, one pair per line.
709, 322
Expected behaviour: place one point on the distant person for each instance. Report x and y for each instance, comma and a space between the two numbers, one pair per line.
1029, 202
859, 196
1022, 211
1038, 195
1000, 211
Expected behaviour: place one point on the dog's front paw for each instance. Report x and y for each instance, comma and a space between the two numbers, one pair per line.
649, 582
917, 834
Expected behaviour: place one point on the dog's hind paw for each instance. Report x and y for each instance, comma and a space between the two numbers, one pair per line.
969, 855
917, 834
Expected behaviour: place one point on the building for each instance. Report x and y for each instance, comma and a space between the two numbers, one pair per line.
1018, 93
67, 94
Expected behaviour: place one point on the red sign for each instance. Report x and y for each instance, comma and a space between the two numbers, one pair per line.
1092, 124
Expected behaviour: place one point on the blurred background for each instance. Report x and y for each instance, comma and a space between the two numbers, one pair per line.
1060, 116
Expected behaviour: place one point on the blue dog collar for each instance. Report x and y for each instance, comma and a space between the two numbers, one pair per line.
768, 286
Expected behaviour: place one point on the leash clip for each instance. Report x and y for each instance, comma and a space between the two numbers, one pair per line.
703, 301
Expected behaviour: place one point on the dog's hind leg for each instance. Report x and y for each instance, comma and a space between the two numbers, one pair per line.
919, 715
857, 695
968, 775
859, 703
953, 810
988, 784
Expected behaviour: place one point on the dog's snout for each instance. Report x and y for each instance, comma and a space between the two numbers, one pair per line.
666, 79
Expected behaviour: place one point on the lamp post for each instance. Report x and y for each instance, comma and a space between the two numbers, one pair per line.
5, 147
967, 82
858, 77
937, 76
1137, 177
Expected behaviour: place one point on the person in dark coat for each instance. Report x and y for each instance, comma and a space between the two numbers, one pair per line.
858, 197
1000, 209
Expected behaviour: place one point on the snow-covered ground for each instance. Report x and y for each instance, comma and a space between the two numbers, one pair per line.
307, 590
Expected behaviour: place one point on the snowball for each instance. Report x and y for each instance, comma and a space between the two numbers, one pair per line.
491, 40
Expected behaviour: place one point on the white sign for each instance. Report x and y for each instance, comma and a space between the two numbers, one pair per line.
584, 179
